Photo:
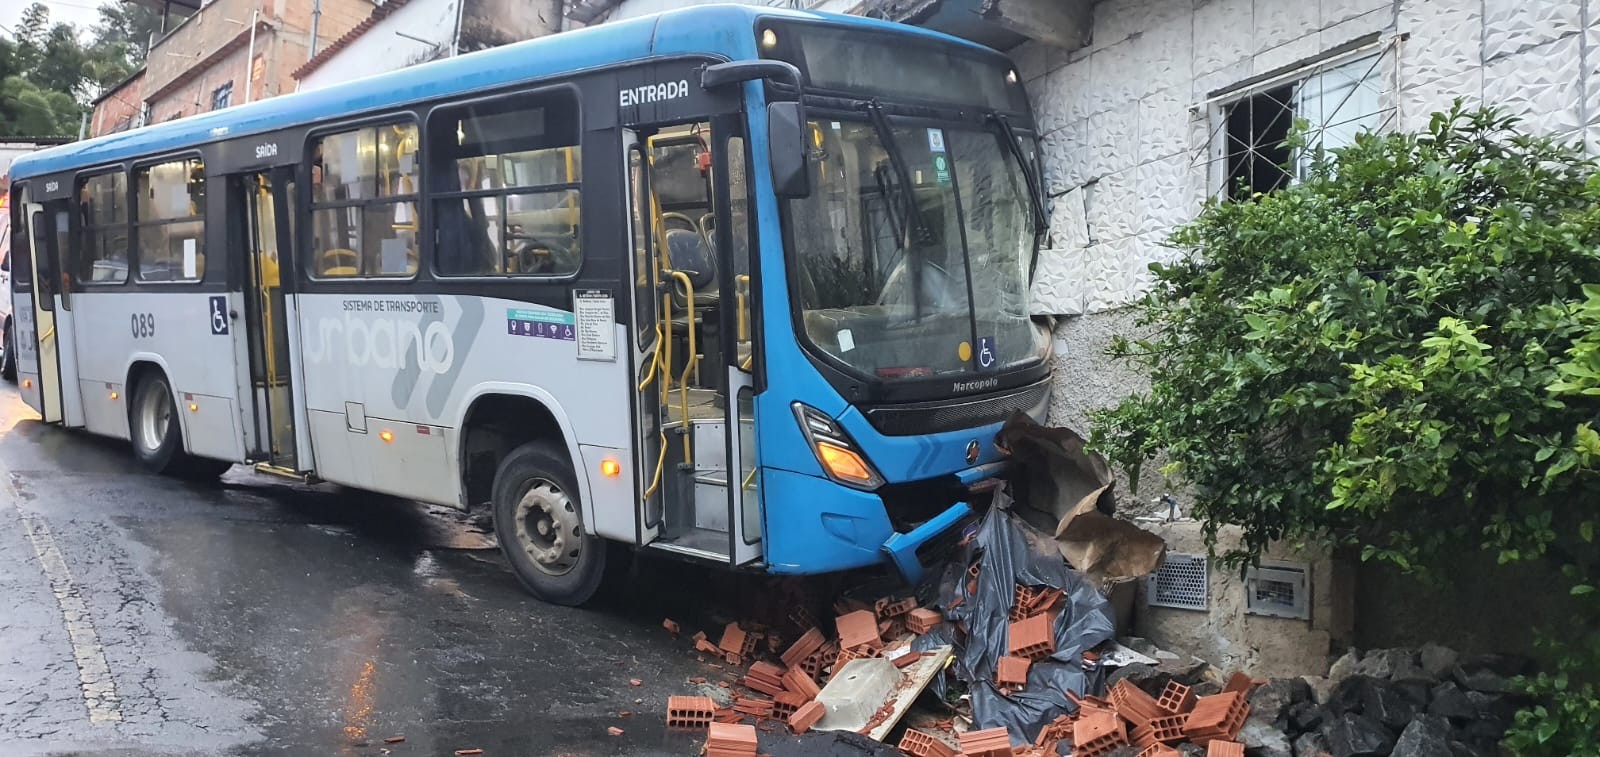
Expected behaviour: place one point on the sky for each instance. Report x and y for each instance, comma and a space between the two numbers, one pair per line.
80, 13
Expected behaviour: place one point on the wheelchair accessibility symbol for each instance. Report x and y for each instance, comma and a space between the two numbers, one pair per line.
219, 315
986, 355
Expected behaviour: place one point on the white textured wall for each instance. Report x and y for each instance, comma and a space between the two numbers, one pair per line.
379, 49
1127, 128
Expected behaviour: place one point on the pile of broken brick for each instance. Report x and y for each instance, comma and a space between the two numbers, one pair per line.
785, 690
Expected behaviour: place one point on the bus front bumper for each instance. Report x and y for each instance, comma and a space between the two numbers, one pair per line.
814, 525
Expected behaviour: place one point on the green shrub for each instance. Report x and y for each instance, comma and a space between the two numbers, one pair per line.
1400, 353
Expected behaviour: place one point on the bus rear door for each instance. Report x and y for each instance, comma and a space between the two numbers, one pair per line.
39, 372
260, 209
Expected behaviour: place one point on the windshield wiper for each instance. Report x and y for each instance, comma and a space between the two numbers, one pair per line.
1041, 223
915, 226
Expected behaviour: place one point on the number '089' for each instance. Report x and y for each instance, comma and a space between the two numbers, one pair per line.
144, 325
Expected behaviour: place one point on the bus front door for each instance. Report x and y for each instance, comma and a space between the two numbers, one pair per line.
261, 203
690, 267
47, 392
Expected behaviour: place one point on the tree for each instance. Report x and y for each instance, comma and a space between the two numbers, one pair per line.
1398, 354
131, 28
49, 77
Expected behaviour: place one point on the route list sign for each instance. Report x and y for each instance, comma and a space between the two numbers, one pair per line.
595, 312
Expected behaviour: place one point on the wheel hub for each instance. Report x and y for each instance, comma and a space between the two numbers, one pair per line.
155, 414
548, 528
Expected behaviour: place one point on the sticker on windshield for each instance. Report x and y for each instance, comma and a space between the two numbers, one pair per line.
986, 356
936, 140
941, 168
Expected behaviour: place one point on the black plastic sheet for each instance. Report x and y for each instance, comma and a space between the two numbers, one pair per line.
1011, 552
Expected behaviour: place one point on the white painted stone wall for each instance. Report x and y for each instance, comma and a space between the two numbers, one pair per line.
1127, 127
381, 48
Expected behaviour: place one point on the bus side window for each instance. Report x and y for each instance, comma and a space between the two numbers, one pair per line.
102, 251
364, 203
505, 186
169, 220
21, 255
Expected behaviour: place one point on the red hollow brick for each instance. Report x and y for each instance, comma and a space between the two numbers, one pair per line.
803, 647
731, 739
857, 629
671, 626
1133, 704
806, 716
690, 712
922, 620
798, 682
994, 742
1033, 637
1098, 733
1012, 671
919, 744
1217, 717
786, 703
1176, 698
1159, 750
1224, 749
1165, 729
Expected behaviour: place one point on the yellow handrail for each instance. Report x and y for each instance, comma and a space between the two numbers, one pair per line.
690, 362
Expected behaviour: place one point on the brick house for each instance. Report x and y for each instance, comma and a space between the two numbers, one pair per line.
119, 108
228, 52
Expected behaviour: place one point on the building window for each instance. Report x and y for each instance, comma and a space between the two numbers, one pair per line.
364, 202
504, 186
222, 96
1329, 106
102, 255
169, 221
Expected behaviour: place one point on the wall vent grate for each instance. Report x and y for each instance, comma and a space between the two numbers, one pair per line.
1182, 582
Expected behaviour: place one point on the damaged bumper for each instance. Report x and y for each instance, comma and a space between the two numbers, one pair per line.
851, 529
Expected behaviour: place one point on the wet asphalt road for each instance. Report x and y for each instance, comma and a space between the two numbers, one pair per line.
147, 616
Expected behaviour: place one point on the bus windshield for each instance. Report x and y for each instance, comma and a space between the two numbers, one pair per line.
932, 279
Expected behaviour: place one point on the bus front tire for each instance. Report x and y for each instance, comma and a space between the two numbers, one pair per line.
538, 522
157, 439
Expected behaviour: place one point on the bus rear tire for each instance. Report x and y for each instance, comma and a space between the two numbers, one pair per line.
8, 361
157, 439
539, 524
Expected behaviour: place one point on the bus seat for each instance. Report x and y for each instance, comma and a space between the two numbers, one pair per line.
688, 252
339, 261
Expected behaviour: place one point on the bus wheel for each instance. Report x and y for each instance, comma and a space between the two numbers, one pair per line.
8, 355
538, 523
153, 426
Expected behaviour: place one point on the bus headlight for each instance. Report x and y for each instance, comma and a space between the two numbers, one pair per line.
835, 450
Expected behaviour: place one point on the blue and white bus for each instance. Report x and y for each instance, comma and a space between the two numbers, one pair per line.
743, 285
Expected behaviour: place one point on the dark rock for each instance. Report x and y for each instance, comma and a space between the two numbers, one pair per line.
1387, 706
1351, 694
1191, 750
1305, 716
1407, 669
1481, 679
1127, 751
1206, 688
1352, 735
1507, 665
1427, 736
1495, 707
1272, 699
1462, 749
1137, 673
1482, 732
1383, 663
1321, 688
1261, 738
1416, 692
1449, 702
1187, 673
1310, 745
1437, 661
1344, 667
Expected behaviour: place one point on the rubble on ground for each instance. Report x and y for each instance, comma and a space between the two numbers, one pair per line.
1015, 649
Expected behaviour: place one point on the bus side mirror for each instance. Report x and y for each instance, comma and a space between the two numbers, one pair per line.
786, 150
